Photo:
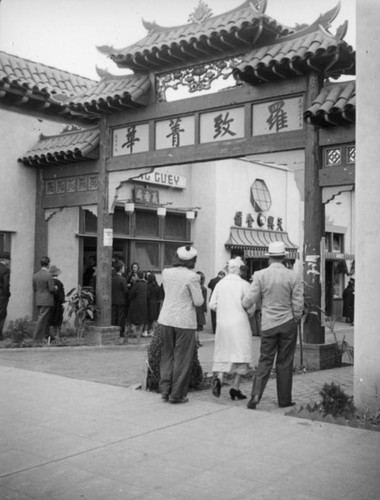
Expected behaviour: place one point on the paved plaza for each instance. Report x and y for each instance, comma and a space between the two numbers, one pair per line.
75, 426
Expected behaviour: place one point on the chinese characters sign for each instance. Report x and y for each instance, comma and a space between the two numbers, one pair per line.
131, 139
222, 125
277, 116
175, 133
143, 195
272, 117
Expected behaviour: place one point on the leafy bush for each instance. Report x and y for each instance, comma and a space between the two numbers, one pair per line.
336, 402
81, 304
154, 358
19, 330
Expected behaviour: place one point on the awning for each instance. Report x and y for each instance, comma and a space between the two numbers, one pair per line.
339, 256
255, 242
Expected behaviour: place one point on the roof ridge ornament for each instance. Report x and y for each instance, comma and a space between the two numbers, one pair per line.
258, 6
150, 26
201, 13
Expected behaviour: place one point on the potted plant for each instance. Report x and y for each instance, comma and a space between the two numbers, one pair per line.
81, 304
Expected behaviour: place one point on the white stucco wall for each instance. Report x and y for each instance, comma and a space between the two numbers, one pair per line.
18, 133
367, 296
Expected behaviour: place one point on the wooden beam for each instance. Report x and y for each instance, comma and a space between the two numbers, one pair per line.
337, 176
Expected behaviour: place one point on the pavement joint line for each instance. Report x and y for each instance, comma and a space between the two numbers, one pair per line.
103, 446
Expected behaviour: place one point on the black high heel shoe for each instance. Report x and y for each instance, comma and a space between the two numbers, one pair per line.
216, 387
236, 394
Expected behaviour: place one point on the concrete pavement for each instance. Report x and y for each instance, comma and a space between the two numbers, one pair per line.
69, 438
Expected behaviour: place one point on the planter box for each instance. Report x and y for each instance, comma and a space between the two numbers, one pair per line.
317, 356
101, 335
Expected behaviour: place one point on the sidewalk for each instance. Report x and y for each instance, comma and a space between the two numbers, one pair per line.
66, 439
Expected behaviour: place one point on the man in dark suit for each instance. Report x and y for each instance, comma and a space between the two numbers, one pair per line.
119, 297
4, 290
43, 287
212, 284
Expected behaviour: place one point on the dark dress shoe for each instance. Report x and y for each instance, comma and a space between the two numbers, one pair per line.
236, 394
252, 403
165, 396
216, 387
286, 405
177, 401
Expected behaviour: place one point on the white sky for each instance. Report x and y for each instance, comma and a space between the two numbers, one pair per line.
65, 33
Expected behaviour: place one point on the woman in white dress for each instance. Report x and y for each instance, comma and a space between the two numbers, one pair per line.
233, 336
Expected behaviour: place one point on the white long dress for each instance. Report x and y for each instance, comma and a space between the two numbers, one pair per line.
233, 336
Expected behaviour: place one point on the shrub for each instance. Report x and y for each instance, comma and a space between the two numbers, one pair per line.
154, 358
19, 330
336, 402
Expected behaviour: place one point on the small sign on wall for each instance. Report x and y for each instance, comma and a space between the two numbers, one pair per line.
108, 237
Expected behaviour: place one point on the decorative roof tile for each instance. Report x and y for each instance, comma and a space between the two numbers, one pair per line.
72, 146
335, 105
113, 92
295, 55
232, 30
38, 77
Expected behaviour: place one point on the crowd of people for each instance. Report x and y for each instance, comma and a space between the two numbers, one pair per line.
179, 307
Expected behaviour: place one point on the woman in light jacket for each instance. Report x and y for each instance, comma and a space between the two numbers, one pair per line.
233, 337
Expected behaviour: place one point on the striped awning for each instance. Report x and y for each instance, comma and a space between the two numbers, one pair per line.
255, 242
339, 256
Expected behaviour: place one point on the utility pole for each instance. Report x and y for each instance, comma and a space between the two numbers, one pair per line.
314, 230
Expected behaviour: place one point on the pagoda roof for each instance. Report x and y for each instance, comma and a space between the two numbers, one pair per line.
205, 37
334, 105
33, 85
298, 54
67, 147
112, 93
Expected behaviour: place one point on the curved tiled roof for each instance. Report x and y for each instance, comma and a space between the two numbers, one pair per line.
232, 30
297, 55
334, 105
66, 147
34, 76
112, 93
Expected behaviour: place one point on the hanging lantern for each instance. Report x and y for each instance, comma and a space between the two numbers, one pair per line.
161, 211
190, 214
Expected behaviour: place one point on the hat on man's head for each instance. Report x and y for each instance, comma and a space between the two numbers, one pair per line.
276, 249
187, 252
54, 270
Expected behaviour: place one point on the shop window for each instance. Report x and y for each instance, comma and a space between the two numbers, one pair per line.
334, 242
147, 254
90, 222
175, 227
146, 224
5, 244
169, 253
260, 196
120, 221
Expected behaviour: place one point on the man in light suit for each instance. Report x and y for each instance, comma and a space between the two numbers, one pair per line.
43, 287
281, 295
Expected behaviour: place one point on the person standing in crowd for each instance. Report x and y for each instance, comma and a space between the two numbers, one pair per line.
201, 310
348, 301
279, 290
119, 293
4, 290
89, 271
233, 338
138, 306
43, 287
132, 274
154, 300
212, 284
56, 318
178, 322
